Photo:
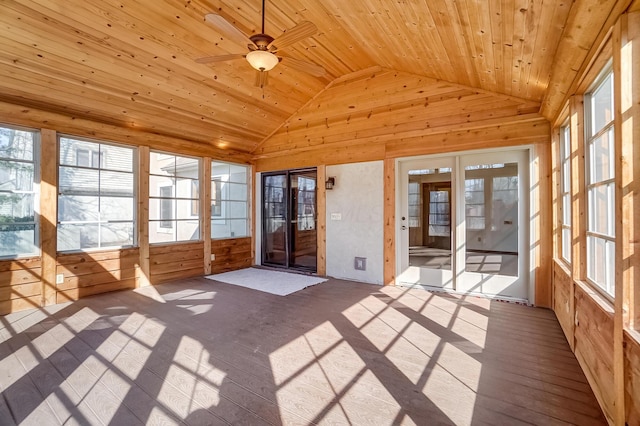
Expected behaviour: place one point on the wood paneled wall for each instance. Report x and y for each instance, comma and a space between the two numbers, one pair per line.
20, 285
92, 273
177, 260
231, 254
603, 331
390, 114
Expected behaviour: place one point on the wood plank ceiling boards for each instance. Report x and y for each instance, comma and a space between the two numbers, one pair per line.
132, 63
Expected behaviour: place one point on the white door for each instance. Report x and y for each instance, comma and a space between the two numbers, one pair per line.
463, 223
425, 225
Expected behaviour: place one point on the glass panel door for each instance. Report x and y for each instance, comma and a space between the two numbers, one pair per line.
463, 225
274, 195
304, 240
426, 223
493, 217
289, 219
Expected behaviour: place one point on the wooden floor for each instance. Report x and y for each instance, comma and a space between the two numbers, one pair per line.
201, 352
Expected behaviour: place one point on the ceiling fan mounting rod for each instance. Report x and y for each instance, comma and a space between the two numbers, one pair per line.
263, 16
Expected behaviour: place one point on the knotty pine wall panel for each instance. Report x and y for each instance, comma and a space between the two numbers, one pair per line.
594, 345
231, 254
562, 295
20, 284
92, 273
174, 261
632, 377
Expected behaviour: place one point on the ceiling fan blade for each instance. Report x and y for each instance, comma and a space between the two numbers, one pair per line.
228, 29
262, 79
301, 31
219, 58
313, 69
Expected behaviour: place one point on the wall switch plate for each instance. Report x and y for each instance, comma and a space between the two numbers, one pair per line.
360, 263
336, 216
60, 279
213, 257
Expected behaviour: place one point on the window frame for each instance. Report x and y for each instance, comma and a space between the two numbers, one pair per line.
589, 139
134, 171
160, 223
36, 191
217, 212
565, 193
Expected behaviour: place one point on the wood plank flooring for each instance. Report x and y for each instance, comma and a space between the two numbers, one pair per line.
199, 352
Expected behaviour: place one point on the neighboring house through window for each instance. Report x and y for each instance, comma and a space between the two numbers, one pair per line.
96, 195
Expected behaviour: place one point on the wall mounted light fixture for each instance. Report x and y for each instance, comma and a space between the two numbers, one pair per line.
330, 183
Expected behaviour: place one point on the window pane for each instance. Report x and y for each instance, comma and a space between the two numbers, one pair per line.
602, 105
238, 174
162, 231
76, 208
185, 209
17, 239
16, 208
77, 236
117, 158
187, 167
237, 209
184, 188
78, 181
161, 186
187, 230
601, 203
596, 259
16, 144
116, 183
117, 208
78, 152
602, 159
116, 234
16, 176
566, 244
162, 164
566, 209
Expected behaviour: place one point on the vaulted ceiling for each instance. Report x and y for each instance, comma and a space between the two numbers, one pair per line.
131, 63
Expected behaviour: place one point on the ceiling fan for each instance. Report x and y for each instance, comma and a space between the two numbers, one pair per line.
264, 51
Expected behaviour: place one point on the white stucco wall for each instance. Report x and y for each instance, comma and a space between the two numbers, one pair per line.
358, 198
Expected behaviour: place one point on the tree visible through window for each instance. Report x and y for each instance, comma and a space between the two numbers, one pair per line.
18, 193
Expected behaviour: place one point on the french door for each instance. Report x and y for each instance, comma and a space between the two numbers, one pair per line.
463, 223
289, 220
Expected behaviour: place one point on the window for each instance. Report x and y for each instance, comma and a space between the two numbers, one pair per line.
600, 179
474, 203
565, 193
166, 207
439, 214
229, 200
174, 200
414, 204
18, 193
96, 196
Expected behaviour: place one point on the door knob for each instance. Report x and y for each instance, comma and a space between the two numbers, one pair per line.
403, 227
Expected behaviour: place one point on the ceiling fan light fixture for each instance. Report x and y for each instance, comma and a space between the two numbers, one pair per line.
262, 60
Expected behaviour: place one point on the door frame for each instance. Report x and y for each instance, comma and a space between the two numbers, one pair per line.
526, 234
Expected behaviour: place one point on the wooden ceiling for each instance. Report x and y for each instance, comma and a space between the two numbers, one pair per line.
130, 63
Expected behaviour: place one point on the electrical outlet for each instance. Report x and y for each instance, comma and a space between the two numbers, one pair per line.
60, 279
360, 263
336, 216
213, 256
